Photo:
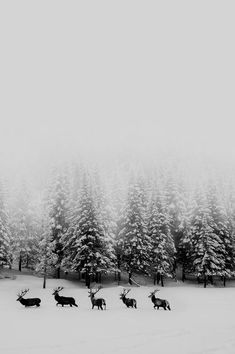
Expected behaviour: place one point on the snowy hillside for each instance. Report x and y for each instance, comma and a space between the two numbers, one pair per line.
201, 321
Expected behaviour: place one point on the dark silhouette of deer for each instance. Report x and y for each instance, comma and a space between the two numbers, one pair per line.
159, 302
63, 300
28, 302
128, 302
94, 301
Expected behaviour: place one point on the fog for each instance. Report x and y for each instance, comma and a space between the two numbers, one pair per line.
106, 80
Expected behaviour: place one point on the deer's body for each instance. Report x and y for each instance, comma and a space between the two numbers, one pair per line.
159, 302
28, 302
100, 302
127, 301
63, 300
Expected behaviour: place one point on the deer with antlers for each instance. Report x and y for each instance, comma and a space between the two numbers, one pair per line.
63, 300
127, 301
94, 301
28, 302
159, 302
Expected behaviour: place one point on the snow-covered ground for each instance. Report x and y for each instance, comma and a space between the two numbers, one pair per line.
201, 321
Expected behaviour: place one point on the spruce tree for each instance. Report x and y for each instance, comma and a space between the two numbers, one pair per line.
47, 258
222, 227
162, 244
5, 235
133, 240
58, 211
207, 247
24, 228
86, 247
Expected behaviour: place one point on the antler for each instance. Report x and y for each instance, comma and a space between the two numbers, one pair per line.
126, 291
94, 291
23, 292
59, 288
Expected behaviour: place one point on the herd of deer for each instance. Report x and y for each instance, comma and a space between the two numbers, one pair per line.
98, 302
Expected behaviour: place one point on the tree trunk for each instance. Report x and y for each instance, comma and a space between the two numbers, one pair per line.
183, 274
20, 263
96, 277
44, 280
205, 281
119, 277
58, 273
158, 278
27, 260
130, 276
154, 279
162, 281
88, 280
224, 280
119, 268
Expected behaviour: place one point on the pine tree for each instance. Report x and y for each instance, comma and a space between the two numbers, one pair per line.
223, 229
133, 241
184, 246
208, 249
5, 235
24, 228
47, 258
58, 210
106, 217
86, 248
162, 244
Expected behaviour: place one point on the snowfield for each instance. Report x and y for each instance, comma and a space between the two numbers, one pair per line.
201, 321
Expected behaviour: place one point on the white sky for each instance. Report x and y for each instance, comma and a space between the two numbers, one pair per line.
104, 76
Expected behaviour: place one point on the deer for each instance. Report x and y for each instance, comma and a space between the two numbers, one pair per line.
159, 302
96, 302
128, 302
63, 300
27, 302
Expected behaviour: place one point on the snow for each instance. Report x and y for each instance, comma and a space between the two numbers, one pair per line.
201, 321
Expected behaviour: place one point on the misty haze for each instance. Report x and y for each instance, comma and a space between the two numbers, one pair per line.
117, 190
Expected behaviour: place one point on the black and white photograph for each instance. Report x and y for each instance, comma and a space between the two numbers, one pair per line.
117, 177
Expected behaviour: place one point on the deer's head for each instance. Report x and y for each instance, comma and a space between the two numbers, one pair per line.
21, 294
92, 292
153, 292
57, 290
124, 293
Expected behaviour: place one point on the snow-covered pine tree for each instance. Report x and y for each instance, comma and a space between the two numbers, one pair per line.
222, 227
106, 217
184, 245
133, 240
47, 258
86, 248
24, 228
58, 212
208, 250
5, 235
162, 244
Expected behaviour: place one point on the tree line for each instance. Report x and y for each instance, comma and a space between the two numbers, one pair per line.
146, 224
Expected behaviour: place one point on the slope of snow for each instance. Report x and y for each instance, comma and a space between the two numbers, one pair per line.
201, 321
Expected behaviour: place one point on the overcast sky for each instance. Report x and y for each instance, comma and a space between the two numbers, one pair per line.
81, 77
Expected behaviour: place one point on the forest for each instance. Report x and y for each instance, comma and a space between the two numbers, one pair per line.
95, 222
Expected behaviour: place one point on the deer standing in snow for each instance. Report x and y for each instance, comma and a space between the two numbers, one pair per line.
63, 300
28, 302
159, 302
94, 301
127, 301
